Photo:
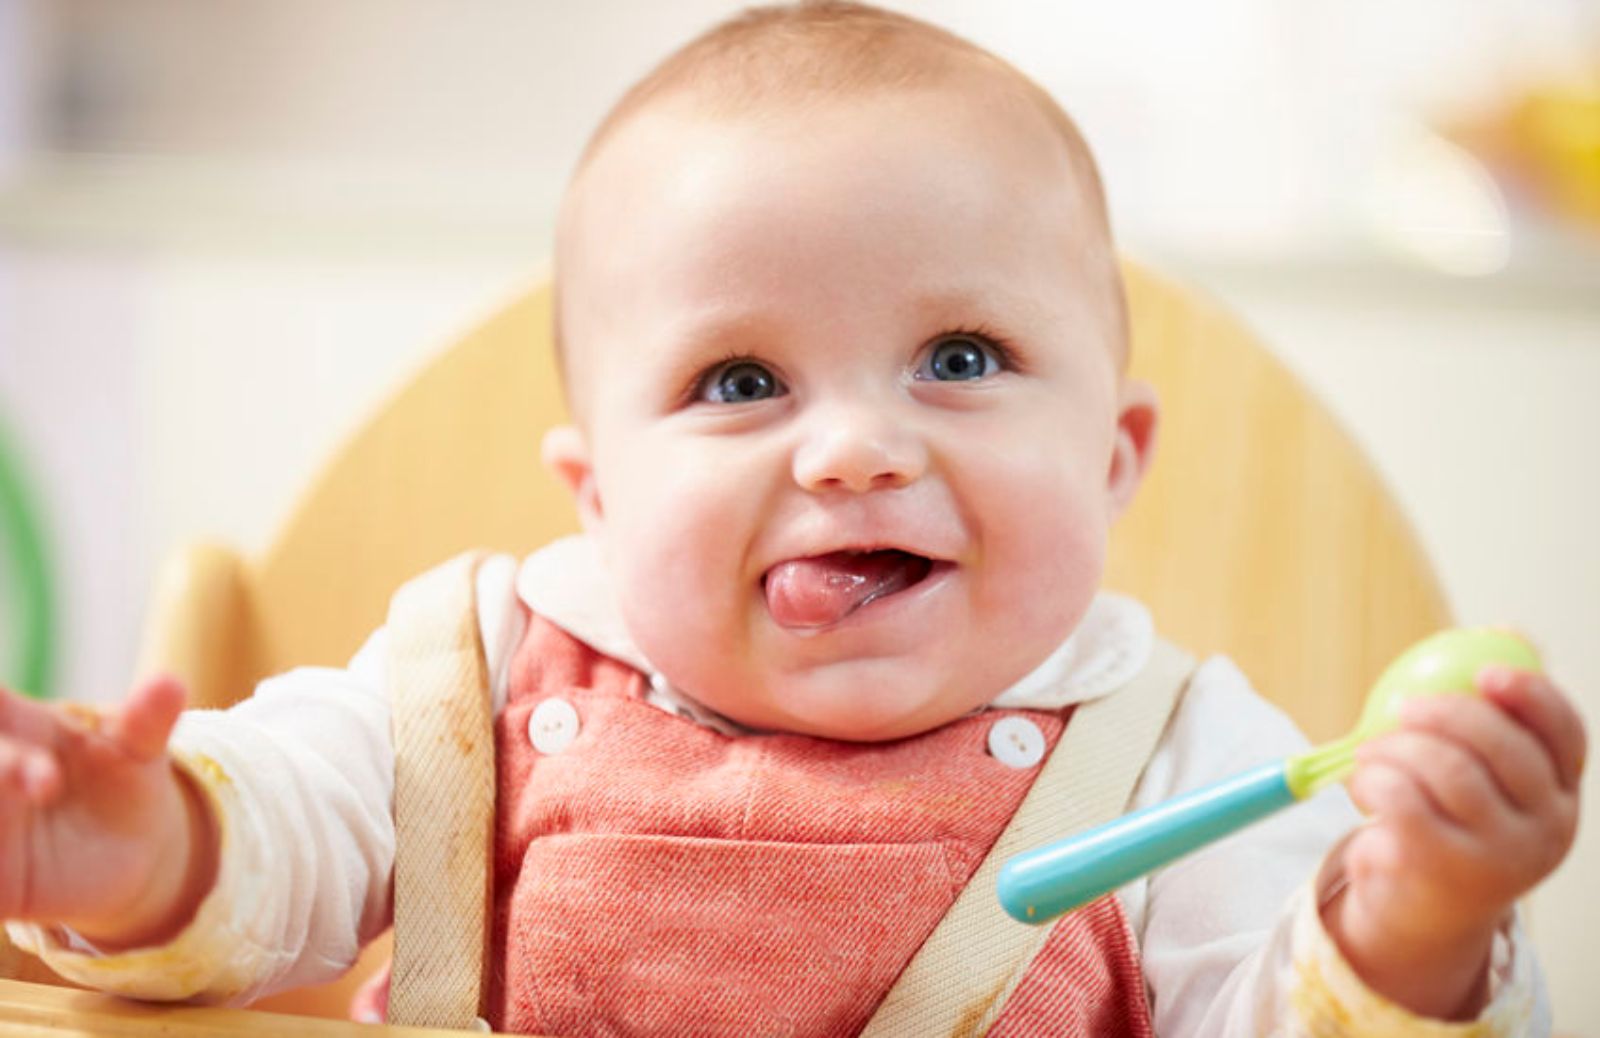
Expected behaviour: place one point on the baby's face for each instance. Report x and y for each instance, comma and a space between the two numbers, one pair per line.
851, 405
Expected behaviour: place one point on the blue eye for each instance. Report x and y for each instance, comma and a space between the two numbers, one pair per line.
959, 358
741, 382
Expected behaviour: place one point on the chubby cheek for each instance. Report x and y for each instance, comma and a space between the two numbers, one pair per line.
1044, 529
676, 534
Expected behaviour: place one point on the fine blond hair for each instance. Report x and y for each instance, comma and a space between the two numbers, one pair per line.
826, 50
776, 58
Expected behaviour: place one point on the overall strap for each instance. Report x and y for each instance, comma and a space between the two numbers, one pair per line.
444, 792
960, 978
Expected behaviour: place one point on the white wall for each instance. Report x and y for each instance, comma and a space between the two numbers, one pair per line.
1273, 112
168, 397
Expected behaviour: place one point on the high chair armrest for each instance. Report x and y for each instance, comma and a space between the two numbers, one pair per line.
38, 1010
201, 628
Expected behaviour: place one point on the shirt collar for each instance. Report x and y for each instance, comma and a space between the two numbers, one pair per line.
566, 583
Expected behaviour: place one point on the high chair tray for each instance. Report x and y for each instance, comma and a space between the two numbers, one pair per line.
41, 1010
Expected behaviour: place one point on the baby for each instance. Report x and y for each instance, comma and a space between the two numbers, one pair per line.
843, 335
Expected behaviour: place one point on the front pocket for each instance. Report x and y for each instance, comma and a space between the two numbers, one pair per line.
657, 935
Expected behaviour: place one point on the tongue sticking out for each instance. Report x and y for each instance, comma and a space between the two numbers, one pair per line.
823, 590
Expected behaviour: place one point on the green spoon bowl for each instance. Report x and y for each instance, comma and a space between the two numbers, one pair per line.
1447, 664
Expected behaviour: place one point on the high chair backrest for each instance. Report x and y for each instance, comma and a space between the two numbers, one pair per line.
1261, 532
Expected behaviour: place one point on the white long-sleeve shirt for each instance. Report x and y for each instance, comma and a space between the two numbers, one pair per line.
301, 778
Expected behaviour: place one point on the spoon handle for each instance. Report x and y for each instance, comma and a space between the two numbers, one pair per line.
1038, 885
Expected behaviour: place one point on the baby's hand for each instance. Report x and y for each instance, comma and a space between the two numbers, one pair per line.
1473, 801
97, 829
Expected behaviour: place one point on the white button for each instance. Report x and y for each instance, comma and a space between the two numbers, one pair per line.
1016, 742
552, 726
481, 1025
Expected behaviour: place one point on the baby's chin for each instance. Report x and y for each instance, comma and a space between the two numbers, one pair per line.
848, 728
902, 692
859, 709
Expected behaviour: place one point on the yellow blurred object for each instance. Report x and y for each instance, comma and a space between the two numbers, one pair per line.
1558, 130
1545, 145
1262, 532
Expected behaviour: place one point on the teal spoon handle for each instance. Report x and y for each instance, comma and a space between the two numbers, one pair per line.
1038, 885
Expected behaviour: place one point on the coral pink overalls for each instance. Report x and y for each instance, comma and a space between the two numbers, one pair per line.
655, 877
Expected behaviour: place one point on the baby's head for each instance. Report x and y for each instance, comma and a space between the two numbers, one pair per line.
844, 339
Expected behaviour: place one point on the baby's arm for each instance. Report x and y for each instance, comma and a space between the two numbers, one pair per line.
1474, 801
98, 830
1231, 939
300, 779
297, 780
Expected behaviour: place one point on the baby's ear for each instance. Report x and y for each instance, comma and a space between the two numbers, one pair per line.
566, 453
1138, 414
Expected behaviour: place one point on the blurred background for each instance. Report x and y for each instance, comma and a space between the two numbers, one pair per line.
228, 227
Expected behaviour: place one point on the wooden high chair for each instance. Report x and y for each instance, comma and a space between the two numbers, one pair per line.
1261, 532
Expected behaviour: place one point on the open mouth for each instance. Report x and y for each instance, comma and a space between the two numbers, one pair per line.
822, 590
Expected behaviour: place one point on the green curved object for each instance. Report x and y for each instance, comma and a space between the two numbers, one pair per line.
1445, 664
22, 547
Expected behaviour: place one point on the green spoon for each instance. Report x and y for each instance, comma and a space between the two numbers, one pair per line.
1038, 885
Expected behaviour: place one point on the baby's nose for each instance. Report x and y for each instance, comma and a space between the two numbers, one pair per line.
858, 451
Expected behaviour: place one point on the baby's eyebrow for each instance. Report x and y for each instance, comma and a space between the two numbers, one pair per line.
686, 347
990, 302
721, 329
715, 333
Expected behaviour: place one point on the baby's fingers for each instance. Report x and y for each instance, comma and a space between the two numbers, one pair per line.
28, 771
27, 736
1454, 779
145, 721
1541, 708
25, 720
1507, 750
1415, 837
1385, 789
